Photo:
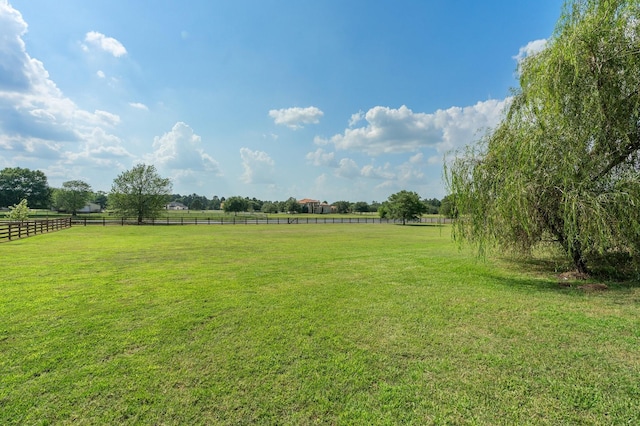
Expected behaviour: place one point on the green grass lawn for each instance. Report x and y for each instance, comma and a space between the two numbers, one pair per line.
303, 324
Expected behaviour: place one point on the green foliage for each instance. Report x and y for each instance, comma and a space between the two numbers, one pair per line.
139, 192
292, 206
196, 204
360, 207
383, 210
73, 196
405, 205
17, 184
564, 164
447, 207
342, 206
432, 205
235, 205
269, 207
215, 203
100, 198
18, 212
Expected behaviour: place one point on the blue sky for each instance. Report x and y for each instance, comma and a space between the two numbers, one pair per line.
327, 99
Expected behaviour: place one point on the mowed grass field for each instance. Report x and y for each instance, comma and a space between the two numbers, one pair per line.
304, 324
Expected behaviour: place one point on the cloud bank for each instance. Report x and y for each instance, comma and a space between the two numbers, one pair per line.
395, 131
37, 121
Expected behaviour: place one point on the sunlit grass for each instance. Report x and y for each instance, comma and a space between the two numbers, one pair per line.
297, 324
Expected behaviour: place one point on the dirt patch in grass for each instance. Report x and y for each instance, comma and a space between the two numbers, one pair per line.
572, 276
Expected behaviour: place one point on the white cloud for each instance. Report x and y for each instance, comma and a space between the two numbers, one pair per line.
401, 130
294, 118
356, 118
321, 141
138, 105
321, 181
321, 158
258, 166
107, 118
271, 136
347, 168
108, 44
100, 74
435, 159
530, 49
385, 172
417, 159
408, 173
100, 149
181, 149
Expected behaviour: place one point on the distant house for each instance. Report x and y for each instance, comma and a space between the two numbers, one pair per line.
315, 206
175, 205
91, 208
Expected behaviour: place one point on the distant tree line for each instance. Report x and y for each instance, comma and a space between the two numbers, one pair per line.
17, 184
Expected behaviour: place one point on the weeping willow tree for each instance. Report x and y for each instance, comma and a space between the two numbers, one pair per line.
564, 163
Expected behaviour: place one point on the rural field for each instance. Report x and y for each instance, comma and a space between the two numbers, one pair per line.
305, 324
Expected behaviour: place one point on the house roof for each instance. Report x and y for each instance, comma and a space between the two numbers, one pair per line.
176, 204
307, 201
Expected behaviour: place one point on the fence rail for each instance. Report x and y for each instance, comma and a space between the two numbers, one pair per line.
252, 221
15, 230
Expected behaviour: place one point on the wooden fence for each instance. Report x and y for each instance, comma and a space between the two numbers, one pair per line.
15, 230
252, 221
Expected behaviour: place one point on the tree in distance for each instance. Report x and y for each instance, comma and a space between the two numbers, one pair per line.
564, 163
17, 184
100, 198
139, 192
196, 204
269, 207
292, 206
215, 203
342, 207
447, 208
360, 207
405, 205
73, 196
235, 204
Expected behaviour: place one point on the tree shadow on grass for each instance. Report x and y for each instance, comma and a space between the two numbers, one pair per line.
555, 275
